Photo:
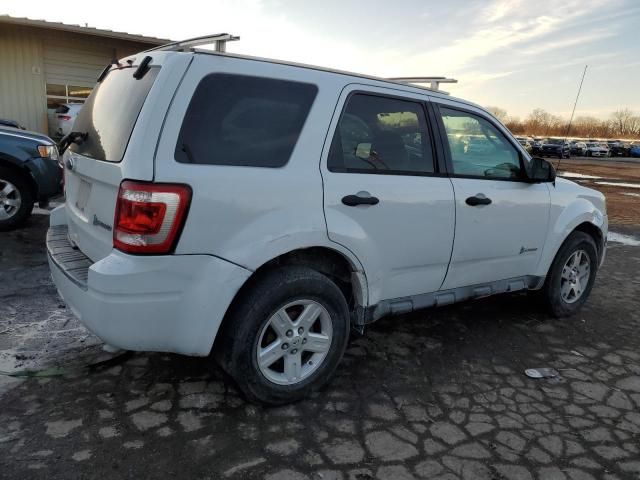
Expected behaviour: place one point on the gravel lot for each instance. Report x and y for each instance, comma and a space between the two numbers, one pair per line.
621, 177
439, 394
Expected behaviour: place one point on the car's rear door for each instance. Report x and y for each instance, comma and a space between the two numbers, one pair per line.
385, 198
501, 218
120, 123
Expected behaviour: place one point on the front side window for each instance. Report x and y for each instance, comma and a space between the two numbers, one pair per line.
381, 135
478, 148
243, 121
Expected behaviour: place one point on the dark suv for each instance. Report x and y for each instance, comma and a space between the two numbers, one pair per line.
29, 173
554, 148
620, 149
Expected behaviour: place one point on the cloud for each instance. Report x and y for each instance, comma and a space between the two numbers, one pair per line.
570, 41
497, 10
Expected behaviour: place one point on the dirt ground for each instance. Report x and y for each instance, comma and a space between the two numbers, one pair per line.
623, 201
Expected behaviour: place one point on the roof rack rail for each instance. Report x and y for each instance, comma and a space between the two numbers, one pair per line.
434, 82
218, 39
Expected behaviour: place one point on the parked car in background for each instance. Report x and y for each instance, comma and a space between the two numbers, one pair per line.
634, 151
29, 173
553, 147
10, 123
526, 143
63, 118
537, 145
578, 148
253, 210
596, 150
620, 149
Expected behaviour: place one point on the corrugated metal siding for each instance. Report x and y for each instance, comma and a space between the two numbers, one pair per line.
67, 61
22, 91
31, 57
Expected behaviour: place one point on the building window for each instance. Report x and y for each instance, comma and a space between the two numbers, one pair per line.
59, 94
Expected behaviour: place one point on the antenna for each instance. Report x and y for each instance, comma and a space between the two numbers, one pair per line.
566, 135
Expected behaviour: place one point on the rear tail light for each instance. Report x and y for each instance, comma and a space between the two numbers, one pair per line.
64, 117
149, 216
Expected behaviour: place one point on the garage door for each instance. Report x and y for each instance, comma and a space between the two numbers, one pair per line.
71, 69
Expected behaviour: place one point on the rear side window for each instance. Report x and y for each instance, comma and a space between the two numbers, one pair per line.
381, 135
243, 121
110, 113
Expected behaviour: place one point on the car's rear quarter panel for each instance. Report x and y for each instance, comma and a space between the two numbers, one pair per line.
249, 215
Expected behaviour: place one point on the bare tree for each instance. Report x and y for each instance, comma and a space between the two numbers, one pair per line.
499, 113
622, 123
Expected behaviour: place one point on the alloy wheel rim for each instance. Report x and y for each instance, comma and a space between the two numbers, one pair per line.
575, 276
294, 342
10, 199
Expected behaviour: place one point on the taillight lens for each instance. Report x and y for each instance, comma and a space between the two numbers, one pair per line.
64, 117
149, 216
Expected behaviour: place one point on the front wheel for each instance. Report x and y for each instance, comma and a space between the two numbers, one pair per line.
572, 274
285, 336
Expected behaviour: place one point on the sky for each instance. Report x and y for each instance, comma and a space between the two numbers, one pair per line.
515, 54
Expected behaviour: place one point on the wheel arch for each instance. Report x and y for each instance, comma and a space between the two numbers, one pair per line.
345, 270
586, 226
15, 165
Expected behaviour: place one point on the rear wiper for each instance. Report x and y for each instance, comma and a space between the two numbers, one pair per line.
68, 139
187, 150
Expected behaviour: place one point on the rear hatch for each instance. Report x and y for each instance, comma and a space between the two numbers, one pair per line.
120, 122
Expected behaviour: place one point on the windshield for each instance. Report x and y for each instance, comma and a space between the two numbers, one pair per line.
110, 113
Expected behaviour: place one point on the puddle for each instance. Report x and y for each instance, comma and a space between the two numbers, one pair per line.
629, 240
576, 175
625, 185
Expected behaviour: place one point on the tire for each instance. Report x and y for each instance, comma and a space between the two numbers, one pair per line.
553, 292
16, 199
249, 324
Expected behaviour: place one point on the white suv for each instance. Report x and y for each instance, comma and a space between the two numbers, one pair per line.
257, 210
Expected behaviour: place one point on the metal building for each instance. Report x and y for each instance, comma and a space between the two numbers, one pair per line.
44, 64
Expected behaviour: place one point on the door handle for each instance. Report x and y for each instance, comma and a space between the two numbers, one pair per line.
478, 200
360, 199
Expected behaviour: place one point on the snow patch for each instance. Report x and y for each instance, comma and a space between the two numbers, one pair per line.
576, 175
624, 239
625, 185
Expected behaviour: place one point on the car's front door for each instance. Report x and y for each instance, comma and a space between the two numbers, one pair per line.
384, 198
501, 218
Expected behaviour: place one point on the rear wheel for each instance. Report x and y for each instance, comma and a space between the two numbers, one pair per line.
572, 275
16, 199
285, 337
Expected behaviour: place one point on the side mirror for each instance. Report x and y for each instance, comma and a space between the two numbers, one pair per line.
541, 171
363, 150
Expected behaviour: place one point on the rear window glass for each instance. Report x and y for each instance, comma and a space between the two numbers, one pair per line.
110, 113
243, 121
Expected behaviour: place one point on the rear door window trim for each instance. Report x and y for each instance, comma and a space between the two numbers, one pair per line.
447, 147
438, 163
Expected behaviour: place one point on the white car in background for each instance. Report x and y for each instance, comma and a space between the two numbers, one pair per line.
596, 150
64, 117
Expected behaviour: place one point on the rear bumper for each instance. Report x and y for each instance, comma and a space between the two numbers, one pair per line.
170, 303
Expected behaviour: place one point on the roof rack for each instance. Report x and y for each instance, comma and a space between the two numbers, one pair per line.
218, 39
434, 82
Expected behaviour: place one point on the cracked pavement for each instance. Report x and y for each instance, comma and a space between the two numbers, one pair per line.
436, 394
